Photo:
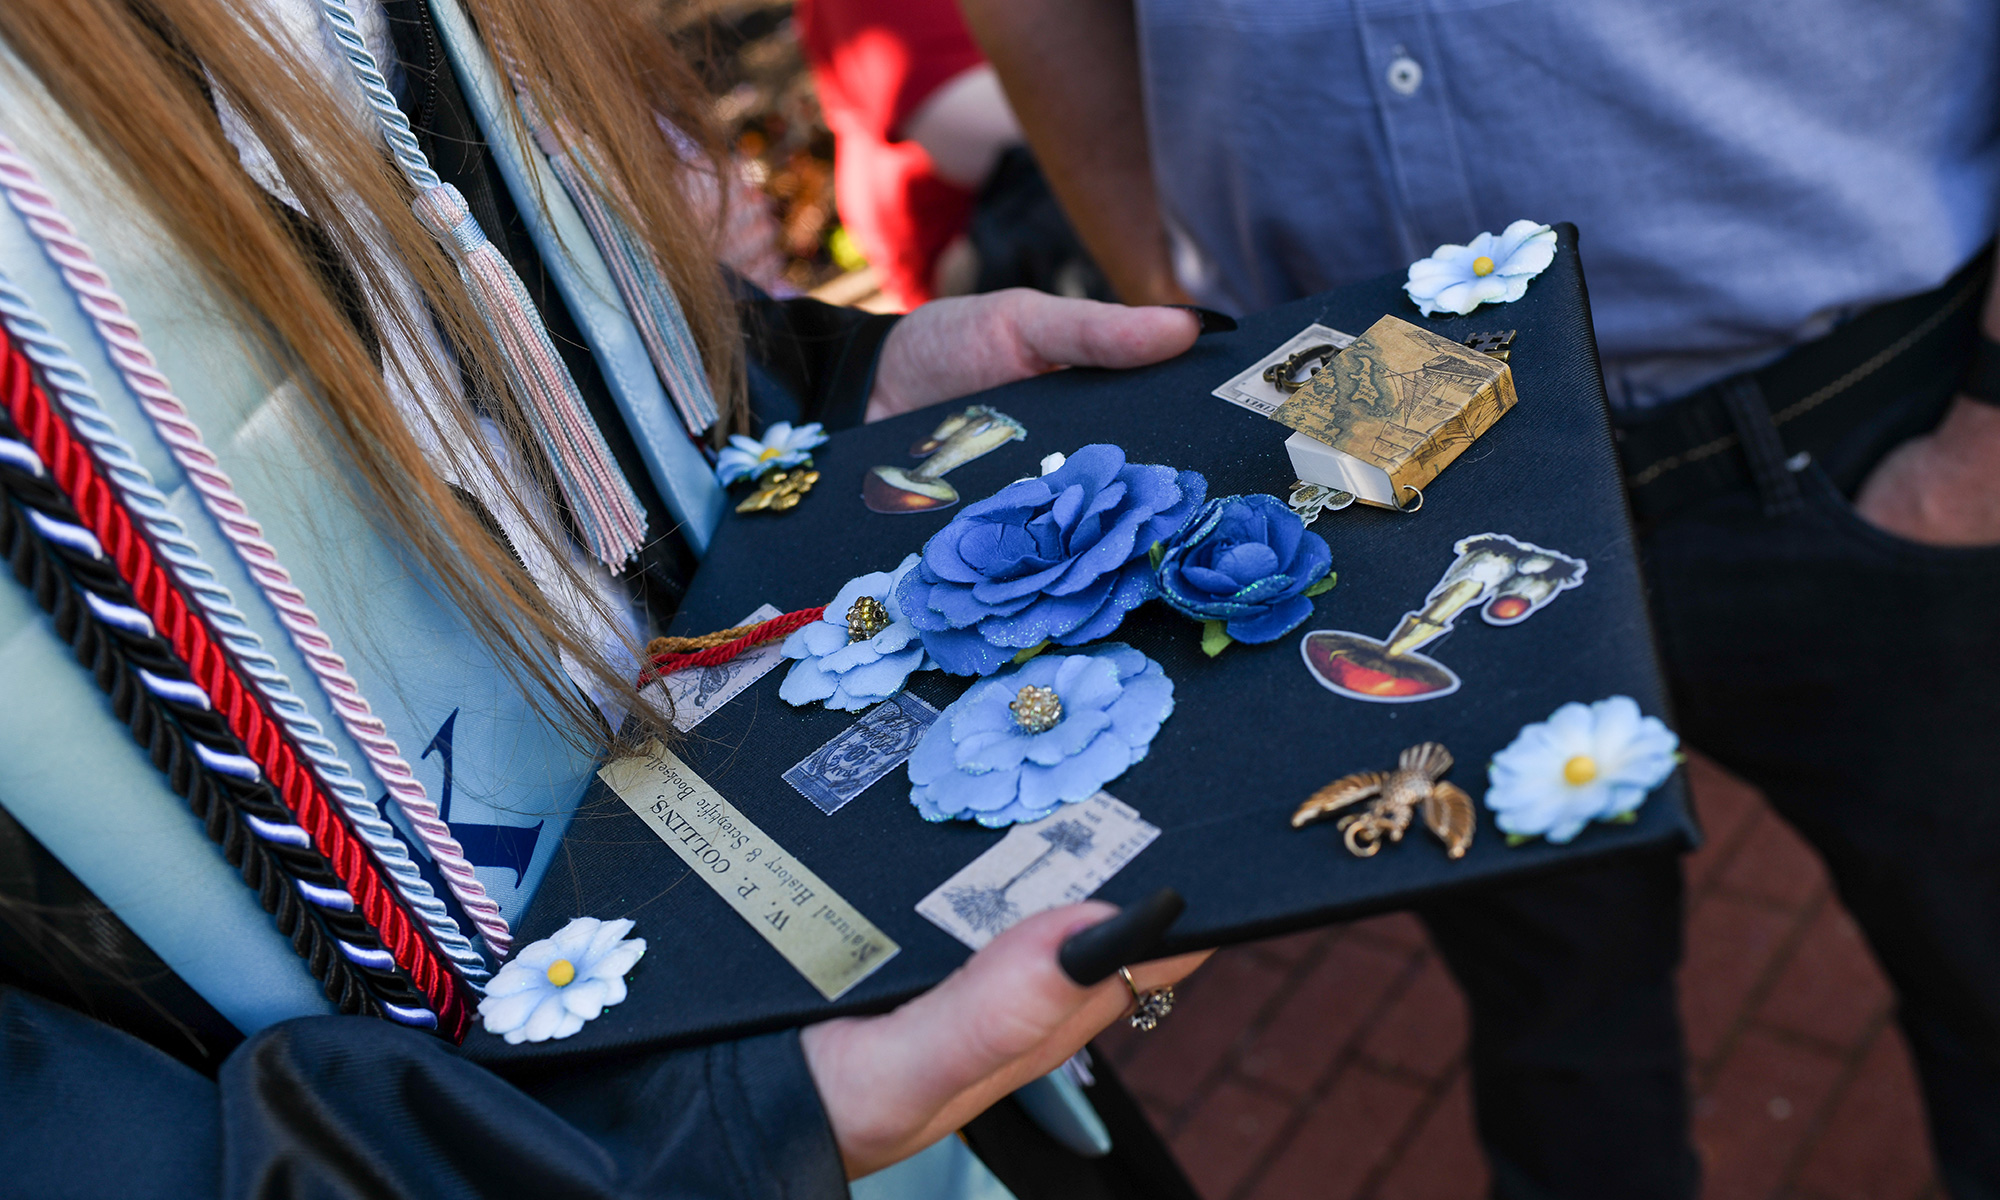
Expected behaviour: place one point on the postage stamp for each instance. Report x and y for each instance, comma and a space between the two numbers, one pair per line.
1251, 390
1060, 859
698, 691
873, 746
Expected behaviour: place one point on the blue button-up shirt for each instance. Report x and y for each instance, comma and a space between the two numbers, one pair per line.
1744, 173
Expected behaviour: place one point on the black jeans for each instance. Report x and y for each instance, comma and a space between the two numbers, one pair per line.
1855, 678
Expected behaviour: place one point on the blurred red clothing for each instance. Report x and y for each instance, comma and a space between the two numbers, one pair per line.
875, 62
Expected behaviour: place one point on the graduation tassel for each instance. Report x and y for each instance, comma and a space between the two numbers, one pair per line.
600, 500
654, 308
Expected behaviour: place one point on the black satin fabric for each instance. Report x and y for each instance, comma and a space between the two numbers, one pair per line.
325, 1107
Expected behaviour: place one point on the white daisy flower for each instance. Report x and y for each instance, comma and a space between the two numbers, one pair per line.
551, 987
1458, 279
1583, 764
782, 446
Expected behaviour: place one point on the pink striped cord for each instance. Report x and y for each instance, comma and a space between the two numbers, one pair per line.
170, 417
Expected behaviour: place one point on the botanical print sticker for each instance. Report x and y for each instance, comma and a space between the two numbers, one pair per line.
1510, 578
1060, 859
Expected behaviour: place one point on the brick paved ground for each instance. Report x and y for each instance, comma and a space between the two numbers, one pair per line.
1331, 1064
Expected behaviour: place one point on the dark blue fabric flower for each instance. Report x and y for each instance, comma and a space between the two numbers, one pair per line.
1248, 562
1061, 558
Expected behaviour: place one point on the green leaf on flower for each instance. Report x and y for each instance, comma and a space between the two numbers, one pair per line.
1324, 585
1213, 640
1624, 818
1519, 839
1157, 555
1031, 651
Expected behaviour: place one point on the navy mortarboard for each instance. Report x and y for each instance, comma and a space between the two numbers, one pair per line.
1477, 663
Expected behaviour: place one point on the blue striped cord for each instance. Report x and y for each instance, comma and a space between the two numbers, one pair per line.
70, 385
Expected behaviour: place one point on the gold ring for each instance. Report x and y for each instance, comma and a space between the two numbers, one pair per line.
1151, 1005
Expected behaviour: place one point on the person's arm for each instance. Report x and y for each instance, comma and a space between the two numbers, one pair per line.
1944, 488
357, 1106
1071, 70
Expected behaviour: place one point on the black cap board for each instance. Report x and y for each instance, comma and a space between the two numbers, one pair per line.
1253, 733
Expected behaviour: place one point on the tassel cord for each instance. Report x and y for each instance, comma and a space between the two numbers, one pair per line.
324, 910
69, 385
112, 320
716, 655
600, 499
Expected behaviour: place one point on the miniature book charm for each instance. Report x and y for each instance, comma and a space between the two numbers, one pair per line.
1388, 413
1416, 781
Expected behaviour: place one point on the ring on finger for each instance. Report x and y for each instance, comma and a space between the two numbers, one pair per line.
1151, 1004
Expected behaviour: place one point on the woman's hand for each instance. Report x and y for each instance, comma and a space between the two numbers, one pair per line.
949, 348
896, 1083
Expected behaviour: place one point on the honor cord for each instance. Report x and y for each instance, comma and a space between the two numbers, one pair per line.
114, 324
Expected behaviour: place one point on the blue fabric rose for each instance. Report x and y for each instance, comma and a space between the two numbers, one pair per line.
1060, 558
1003, 752
1247, 563
848, 672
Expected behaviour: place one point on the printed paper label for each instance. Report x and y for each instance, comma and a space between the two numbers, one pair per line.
1058, 860
699, 691
819, 933
1252, 391
864, 752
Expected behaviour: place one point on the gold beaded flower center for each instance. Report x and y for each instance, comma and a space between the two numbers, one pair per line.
865, 618
1580, 770
1482, 266
1036, 709
561, 972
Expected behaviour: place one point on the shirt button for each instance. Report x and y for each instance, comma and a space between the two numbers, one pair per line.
1405, 75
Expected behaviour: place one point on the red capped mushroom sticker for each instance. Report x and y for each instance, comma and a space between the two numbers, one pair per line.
1511, 580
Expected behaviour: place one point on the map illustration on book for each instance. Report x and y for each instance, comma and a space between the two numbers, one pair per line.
1392, 410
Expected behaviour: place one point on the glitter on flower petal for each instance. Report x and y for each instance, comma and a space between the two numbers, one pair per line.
551, 987
1489, 270
979, 762
1585, 763
1058, 558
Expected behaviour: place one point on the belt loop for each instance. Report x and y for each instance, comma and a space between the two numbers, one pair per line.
1776, 485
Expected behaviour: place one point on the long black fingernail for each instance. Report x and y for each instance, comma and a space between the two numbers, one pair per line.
1211, 321
1089, 955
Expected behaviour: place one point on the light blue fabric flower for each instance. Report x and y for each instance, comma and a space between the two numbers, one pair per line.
551, 987
977, 762
1458, 279
782, 446
1583, 764
851, 675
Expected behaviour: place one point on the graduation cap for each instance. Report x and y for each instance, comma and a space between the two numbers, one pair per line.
1255, 730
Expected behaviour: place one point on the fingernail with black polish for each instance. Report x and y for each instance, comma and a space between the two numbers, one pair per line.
1089, 955
1211, 321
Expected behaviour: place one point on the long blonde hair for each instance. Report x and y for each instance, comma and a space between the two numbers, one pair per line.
132, 74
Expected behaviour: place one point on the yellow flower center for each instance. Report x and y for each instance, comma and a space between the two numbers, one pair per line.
561, 971
771, 452
1482, 266
1580, 770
